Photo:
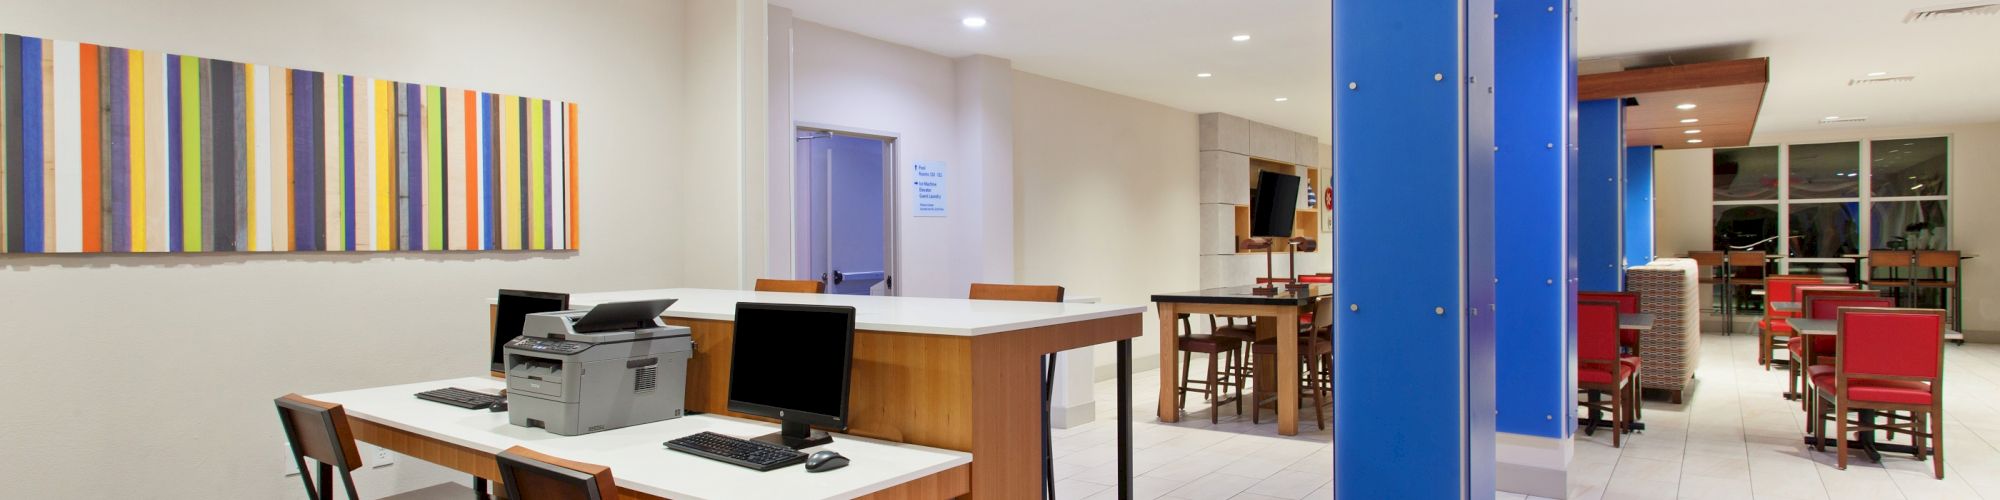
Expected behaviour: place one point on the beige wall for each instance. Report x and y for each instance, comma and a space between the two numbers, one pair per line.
1683, 210
152, 376
1105, 195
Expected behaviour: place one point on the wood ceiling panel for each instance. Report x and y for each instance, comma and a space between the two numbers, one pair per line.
1727, 96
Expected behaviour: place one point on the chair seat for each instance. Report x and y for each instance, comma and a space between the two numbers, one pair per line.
1883, 283
1239, 333
1596, 374
1878, 391
1208, 344
1270, 346
1815, 371
452, 491
1936, 283
1775, 325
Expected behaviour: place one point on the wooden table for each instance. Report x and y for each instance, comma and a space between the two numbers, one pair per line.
955, 374
1787, 307
466, 441
1279, 313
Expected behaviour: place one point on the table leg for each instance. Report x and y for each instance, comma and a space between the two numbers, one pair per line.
1125, 418
1170, 370
1728, 305
1048, 444
1288, 372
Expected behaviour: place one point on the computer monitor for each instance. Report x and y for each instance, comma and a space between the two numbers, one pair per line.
792, 362
1274, 207
514, 307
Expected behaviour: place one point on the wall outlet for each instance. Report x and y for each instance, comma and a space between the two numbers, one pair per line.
383, 457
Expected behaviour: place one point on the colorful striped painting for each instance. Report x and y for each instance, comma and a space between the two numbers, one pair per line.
113, 150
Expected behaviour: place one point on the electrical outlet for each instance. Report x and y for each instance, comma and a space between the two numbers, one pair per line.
384, 457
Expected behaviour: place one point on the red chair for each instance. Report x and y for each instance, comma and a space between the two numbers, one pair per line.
1600, 369
1890, 360
1826, 304
1771, 329
1628, 303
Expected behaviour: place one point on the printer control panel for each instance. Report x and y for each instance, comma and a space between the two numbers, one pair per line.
548, 345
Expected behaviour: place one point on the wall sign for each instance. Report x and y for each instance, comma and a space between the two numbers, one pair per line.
928, 179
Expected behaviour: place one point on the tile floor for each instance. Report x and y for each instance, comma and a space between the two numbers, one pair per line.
1735, 438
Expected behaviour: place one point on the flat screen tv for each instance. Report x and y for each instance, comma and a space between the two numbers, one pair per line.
1274, 205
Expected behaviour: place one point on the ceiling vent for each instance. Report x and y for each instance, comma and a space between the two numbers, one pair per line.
1881, 80
1950, 11
1844, 119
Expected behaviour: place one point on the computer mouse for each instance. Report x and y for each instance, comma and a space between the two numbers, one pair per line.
825, 461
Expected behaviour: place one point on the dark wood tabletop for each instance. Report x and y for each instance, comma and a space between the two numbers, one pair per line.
1244, 295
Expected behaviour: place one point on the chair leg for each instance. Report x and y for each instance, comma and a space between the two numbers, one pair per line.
1840, 431
347, 481
1319, 415
325, 481
1815, 426
479, 490
1936, 420
1242, 357
1617, 416
1181, 395
1214, 389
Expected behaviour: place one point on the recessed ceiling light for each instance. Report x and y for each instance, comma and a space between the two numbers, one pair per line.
1282, 99
1685, 106
1203, 75
1240, 38
1909, 144
1878, 73
1831, 117
1690, 120
1694, 141
973, 22
1691, 131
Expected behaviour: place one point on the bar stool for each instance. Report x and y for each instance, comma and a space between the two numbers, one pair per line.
532, 475
1216, 348
318, 430
1746, 269
1311, 350
1714, 274
1945, 264
1238, 367
1892, 260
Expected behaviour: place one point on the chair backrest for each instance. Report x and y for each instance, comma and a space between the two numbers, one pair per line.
1890, 258
1628, 302
1785, 287
1937, 258
1596, 331
1828, 306
1707, 259
1322, 313
1024, 293
1741, 259
793, 286
318, 429
1905, 344
532, 475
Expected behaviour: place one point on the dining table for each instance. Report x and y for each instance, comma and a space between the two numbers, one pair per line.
1278, 308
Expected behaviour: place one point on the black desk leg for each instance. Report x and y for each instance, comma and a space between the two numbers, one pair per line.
1125, 419
1048, 448
479, 489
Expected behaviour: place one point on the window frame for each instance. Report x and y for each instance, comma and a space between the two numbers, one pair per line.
1866, 200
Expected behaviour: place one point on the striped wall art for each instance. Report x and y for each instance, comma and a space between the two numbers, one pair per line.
112, 150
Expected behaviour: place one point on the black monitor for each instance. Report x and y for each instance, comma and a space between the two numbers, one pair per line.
792, 362
514, 307
1274, 207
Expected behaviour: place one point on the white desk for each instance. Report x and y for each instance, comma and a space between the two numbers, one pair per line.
930, 316
640, 462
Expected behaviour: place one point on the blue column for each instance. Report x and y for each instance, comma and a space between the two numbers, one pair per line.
1600, 194
1413, 135
1638, 205
1536, 126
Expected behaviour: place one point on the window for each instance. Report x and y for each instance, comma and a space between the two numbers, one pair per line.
1832, 200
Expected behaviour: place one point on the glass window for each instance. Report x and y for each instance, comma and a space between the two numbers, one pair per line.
1911, 225
1909, 167
1825, 230
1745, 174
1746, 227
1826, 170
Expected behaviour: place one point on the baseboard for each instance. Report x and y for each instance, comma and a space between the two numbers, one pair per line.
1139, 364
1064, 418
1979, 337
1532, 465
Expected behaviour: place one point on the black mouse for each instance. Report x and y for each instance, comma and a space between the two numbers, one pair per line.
825, 461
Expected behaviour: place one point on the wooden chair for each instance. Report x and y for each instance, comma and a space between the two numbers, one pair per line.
532, 475
1311, 350
1238, 368
1628, 340
1890, 360
1772, 331
318, 430
1713, 272
1219, 351
1746, 270
1892, 260
1034, 293
1819, 303
791, 286
1600, 370
1945, 263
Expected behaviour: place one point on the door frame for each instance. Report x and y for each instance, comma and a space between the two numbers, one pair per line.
890, 196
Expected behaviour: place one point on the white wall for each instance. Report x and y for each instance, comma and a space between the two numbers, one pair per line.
1682, 182
721, 237
1106, 190
152, 376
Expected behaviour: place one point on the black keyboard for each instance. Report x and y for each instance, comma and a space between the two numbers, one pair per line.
470, 400
757, 455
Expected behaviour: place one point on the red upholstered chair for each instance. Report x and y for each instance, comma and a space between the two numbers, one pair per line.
1891, 360
1600, 369
1772, 329
1628, 303
1826, 304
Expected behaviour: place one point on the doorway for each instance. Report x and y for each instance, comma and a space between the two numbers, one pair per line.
846, 205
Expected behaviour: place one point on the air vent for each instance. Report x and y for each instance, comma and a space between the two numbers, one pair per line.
644, 379
1881, 79
1844, 119
1951, 11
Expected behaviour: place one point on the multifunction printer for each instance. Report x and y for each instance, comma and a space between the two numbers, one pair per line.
615, 365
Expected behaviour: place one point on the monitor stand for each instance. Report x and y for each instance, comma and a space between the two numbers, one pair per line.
797, 436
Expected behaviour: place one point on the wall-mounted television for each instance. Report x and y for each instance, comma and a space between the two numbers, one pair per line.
1274, 205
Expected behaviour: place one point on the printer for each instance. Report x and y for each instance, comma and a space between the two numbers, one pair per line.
616, 365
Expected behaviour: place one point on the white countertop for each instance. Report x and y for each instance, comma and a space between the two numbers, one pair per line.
931, 316
636, 456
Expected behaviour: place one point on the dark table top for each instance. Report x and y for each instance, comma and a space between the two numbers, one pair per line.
1244, 295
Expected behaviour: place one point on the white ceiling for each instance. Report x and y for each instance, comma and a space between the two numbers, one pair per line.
1815, 47
1151, 49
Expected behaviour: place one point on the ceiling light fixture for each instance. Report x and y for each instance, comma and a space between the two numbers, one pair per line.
1690, 120
1240, 38
1878, 73
1282, 99
973, 22
1831, 117
1203, 75
1691, 131
1685, 106
1694, 141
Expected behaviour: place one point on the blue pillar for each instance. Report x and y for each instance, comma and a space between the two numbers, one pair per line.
1638, 205
1413, 135
1535, 106
1600, 194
